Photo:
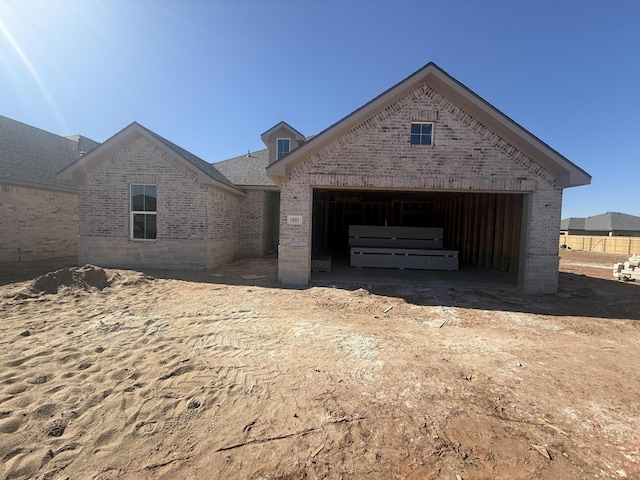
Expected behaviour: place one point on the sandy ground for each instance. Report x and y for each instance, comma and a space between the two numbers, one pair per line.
124, 374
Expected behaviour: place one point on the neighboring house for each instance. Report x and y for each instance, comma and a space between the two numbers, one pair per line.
38, 211
427, 152
612, 224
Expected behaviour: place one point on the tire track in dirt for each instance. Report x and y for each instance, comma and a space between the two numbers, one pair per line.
155, 383
357, 353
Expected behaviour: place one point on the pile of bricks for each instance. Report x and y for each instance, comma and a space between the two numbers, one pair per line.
628, 271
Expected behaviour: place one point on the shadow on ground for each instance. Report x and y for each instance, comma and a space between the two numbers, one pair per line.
580, 295
15, 272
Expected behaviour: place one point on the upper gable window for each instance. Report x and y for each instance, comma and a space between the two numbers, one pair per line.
283, 146
422, 133
143, 212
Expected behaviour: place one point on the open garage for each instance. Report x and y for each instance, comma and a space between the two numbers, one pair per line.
484, 229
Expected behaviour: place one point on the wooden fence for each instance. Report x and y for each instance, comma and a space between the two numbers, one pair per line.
625, 245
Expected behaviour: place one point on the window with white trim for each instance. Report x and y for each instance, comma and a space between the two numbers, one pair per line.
143, 212
283, 146
422, 133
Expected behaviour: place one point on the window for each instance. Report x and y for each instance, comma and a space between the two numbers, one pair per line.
143, 212
422, 134
283, 146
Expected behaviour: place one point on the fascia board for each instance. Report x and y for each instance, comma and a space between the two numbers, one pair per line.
268, 188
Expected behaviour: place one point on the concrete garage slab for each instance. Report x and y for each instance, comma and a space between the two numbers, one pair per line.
468, 276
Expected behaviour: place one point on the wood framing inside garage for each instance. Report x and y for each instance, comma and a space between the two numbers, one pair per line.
485, 227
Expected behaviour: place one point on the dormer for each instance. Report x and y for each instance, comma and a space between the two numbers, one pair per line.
280, 140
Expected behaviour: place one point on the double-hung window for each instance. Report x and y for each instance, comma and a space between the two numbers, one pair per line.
422, 133
283, 146
143, 212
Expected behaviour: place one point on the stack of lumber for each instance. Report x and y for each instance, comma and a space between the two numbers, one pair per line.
628, 271
400, 247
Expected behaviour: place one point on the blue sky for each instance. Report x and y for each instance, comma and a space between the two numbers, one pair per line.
211, 76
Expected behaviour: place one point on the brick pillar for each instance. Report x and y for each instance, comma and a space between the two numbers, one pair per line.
294, 251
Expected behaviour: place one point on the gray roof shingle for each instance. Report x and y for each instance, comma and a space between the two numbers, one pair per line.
572, 223
30, 156
605, 222
247, 170
612, 221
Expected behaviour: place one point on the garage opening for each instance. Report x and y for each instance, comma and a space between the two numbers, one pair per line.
484, 228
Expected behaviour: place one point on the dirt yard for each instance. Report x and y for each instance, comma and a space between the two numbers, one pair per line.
134, 375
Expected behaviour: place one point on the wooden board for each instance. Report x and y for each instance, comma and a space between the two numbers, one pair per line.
402, 261
373, 231
394, 242
404, 251
400, 247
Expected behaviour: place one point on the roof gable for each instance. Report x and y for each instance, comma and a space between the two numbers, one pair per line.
206, 173
282, 126
565, 172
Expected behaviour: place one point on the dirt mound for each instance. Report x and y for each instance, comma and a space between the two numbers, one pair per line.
86, 278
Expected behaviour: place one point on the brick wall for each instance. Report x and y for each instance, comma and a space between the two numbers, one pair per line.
223, 228
466, 156
258, 223
252, 223
193, 226
37, 224
271, 215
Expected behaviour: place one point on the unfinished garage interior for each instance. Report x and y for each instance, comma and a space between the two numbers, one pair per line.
484, 229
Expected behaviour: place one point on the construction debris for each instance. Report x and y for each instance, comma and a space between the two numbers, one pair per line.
541, 450
628, 271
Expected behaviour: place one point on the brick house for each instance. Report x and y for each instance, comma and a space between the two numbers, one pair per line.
38, 211
428, 152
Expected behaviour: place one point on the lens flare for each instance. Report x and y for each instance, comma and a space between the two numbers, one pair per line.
4, 31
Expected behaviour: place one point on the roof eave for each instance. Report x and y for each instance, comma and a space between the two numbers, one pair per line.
38, 186
270, 188
573, 179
